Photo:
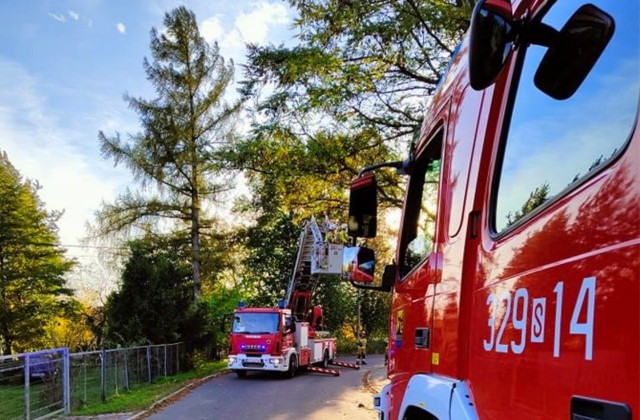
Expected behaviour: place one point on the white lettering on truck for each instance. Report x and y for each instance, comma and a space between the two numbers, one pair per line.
515, 311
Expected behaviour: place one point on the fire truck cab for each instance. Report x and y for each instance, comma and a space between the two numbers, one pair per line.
516, 281
269, 339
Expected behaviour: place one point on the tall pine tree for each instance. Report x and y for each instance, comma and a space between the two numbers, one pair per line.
175, 158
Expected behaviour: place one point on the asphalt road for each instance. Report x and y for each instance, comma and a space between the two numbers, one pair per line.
260, 396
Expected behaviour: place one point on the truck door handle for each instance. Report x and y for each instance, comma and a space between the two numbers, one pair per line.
591, 409
422, 338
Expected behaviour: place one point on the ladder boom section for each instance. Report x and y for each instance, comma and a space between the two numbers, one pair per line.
303, 284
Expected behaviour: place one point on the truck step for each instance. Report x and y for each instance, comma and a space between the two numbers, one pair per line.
345, 364
323, 370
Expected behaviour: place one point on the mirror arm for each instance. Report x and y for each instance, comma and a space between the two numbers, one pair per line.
403, 167
382, 288
542, 34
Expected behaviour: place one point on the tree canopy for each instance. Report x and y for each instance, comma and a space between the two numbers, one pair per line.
32, 264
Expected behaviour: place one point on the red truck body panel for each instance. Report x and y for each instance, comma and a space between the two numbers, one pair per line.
540, 313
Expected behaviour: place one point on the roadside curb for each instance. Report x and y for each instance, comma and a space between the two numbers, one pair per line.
153, 407
375, 376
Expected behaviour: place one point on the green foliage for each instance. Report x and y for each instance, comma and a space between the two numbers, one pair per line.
271, 249
360, 76
175, 158
32, 264
152, 305
374, 310
339, 304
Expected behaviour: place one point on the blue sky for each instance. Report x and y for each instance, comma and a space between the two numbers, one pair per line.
64, 67
552, 141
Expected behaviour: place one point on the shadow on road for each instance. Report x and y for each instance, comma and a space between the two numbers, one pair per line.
259, 395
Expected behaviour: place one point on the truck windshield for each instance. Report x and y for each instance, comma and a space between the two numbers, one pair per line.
255, 323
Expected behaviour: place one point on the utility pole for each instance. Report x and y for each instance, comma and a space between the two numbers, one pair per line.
359, 325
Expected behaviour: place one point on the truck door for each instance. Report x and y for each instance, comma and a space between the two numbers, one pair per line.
451, 300
418, 265
556, 311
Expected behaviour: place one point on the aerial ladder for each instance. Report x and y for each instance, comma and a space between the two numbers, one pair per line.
315, 257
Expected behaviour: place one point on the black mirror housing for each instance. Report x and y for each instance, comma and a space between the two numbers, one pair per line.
574, 52
363, 207
490, 41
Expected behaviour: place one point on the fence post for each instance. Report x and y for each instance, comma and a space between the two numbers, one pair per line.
103, 375
115, 370
178, 357
66, 383
149, 362
126, 369
27, 368
165, 360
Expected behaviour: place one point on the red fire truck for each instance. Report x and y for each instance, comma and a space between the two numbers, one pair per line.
290, 336
521, 297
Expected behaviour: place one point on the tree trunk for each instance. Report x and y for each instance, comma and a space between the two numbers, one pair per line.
6, 341
195, 245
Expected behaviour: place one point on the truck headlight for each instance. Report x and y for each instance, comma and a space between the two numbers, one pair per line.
232, 359
276, 362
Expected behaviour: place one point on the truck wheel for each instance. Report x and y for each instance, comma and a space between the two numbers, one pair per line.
241, 373
325, 359
293, 366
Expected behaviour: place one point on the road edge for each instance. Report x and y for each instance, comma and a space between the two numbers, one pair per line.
153, 407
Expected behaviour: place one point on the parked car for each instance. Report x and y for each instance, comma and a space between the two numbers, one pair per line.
43, 366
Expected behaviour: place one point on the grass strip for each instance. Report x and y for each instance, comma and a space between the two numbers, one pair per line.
140, 398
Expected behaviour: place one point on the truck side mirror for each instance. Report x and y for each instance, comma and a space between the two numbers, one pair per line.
490, 41
360, 264
363, 207
289, 326
574, 51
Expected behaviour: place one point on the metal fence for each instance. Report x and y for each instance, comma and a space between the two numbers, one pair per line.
46, 383
34, 385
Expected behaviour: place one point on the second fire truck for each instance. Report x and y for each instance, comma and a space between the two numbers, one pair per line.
291, 336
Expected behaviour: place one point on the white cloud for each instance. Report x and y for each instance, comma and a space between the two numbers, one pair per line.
254, 26
59, 18
121, 28
211, 29
73, 15
250, 26
232, 41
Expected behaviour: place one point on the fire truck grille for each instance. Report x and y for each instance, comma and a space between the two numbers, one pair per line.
253, 348
252, 364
